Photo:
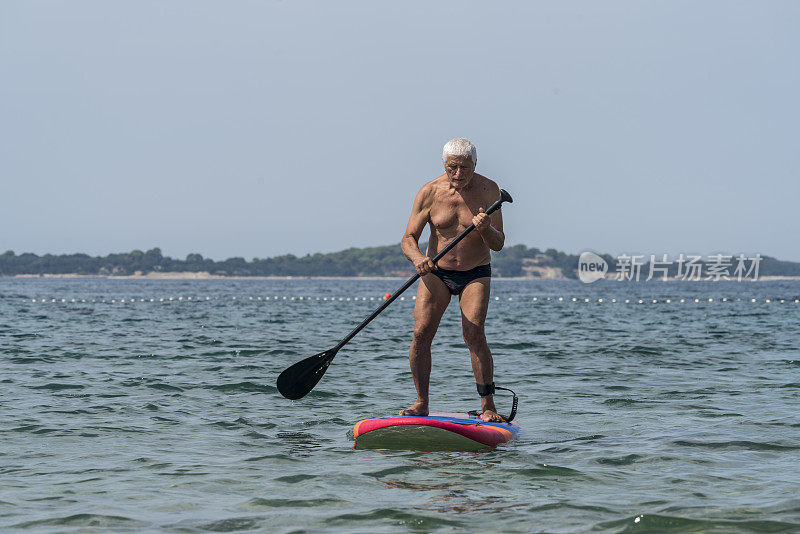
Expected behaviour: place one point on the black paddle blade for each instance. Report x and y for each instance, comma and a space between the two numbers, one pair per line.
298, 380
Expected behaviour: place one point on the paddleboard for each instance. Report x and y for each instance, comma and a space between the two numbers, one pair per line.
437, 431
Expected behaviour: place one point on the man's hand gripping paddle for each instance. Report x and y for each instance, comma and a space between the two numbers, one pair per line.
298, 380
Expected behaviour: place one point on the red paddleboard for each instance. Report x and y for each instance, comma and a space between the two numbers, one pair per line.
437, 431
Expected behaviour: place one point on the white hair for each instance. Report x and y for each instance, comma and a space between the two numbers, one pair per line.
460, 147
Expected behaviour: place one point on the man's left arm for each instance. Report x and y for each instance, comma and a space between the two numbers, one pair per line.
490, 228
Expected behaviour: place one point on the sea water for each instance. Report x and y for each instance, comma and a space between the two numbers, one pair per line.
130, 405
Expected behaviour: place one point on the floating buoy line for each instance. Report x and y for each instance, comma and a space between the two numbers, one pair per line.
582, 300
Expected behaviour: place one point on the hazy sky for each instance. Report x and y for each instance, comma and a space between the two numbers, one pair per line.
263, 128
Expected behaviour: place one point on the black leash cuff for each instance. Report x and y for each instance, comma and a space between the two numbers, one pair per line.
489, 389
484, 390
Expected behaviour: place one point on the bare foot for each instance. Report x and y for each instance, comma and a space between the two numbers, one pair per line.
418, 408
491, 416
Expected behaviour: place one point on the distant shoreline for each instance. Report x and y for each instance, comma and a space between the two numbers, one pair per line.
209, 276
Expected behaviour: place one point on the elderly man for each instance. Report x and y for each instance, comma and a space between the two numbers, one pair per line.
448, 204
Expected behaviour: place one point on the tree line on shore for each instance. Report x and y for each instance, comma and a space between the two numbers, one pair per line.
512, 261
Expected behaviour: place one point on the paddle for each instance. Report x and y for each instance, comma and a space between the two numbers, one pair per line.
298, 380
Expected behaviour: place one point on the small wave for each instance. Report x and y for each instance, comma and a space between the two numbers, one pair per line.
645, 350
56, 386
247, 352
260, 502
625, 402
243, 387
275, 352
83, 520
234, 524
272, 457
294, 479
620, 460
396, 518
26, 335
30, 359
667, 523
570, 506
165, 387
737, 444
514, 346
548, 471
399, 470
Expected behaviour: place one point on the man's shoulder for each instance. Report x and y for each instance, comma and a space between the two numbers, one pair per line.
434, 185
427, 193
486, 185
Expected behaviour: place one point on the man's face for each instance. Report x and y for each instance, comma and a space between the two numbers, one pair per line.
459, 170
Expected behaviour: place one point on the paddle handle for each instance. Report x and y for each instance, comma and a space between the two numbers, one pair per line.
504, 197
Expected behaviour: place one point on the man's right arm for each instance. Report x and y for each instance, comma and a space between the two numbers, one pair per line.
420, 215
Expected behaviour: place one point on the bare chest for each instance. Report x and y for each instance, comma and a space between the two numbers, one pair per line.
452, 215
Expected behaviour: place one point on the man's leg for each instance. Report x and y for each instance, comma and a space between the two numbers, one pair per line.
432, 300
474, 305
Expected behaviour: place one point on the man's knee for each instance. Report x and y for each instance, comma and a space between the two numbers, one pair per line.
423, 335
474, 336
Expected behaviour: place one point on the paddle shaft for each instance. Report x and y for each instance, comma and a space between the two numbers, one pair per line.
494, 207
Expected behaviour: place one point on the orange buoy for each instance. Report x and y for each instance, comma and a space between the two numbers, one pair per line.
386, 296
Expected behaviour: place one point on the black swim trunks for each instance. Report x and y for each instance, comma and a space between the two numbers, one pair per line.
456, 281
